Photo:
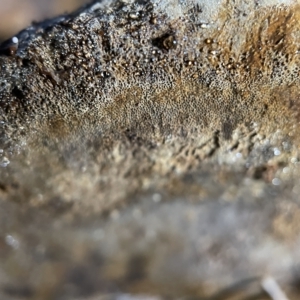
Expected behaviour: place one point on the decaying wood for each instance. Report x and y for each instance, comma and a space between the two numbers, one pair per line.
151, 148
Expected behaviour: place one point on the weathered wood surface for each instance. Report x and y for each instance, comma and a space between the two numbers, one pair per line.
151, 148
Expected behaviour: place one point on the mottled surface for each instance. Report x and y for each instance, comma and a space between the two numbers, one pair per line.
151, 148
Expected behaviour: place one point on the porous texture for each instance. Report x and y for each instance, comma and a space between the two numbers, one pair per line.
151, 148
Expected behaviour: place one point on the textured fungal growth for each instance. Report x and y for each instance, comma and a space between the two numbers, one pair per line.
155, 69
122, 105
123, 63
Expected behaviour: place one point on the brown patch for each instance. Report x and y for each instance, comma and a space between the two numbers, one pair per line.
136, 268
286, 223
227, 129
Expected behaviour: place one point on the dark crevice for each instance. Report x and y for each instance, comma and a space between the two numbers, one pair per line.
165, 42
17, 93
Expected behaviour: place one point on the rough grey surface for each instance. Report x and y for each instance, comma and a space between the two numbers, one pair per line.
150, 148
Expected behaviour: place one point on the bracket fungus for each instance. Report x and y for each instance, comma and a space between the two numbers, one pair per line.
152, 147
